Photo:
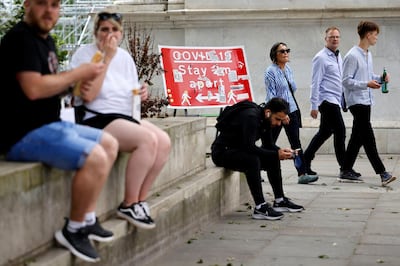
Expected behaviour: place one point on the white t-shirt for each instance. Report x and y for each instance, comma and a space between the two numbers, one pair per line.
115, 95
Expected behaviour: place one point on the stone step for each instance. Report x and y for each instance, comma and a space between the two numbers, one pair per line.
34, 198
179, 211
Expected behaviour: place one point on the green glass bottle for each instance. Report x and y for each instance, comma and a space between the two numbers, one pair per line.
384, 87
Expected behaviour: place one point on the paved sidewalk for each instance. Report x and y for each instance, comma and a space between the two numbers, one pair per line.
343, 224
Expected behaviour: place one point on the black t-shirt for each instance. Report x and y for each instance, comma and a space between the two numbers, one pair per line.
22, 49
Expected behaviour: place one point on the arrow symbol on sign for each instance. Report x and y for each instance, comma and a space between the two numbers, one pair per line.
201, 97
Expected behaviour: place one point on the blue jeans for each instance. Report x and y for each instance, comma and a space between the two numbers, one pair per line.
62, 144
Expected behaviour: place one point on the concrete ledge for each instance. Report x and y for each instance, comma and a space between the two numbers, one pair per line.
187, 137
178, 211
182, 13
35, 198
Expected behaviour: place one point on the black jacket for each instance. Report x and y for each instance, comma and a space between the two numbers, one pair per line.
240, 126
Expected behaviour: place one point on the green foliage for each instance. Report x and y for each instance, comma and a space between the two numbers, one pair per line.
9, 19
62, 55
141, 48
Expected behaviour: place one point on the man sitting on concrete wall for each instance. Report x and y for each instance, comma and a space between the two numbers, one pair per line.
30, 110
240, 126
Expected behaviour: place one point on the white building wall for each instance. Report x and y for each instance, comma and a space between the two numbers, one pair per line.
258, 24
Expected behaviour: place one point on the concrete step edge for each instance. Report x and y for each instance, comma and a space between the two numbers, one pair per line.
160, 204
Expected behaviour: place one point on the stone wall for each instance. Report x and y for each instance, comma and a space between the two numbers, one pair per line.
190, 192
258, 24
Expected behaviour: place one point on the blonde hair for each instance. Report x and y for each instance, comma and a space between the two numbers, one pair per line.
105, 16
331, 29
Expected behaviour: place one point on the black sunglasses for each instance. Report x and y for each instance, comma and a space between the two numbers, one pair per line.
284, 51
105, 16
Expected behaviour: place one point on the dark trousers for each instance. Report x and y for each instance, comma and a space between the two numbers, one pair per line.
331, 123
292, 131
251, 165
362, 135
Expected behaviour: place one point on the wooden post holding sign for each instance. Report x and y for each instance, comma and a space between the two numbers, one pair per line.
204, 77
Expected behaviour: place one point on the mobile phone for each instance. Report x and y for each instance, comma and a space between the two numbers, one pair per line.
295, 152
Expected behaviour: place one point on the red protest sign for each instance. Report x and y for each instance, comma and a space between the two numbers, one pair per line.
199, 77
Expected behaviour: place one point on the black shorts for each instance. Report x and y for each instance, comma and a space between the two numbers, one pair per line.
101, 121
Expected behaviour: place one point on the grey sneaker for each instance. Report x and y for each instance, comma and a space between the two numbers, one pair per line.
386, 178
349, 177
98, 233
306, 179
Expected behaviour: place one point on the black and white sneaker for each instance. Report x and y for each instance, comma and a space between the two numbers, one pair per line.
350, 176
265, 212
98, 233
357, 174
287, 206
146, 209
78, 243
135, 215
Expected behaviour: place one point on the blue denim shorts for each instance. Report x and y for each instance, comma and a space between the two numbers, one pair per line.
62, 144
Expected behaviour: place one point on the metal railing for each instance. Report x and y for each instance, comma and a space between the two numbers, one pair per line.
74, 26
